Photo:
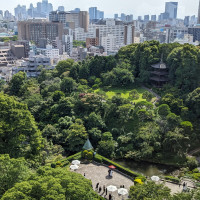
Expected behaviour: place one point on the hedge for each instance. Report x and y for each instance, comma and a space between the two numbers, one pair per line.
100, 159
172, 179
67, 160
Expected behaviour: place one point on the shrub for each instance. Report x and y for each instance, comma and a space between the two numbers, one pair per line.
89, 155
147, 95
196, 176
172, 179
143, 178
119, 167
134, 94
84, 153
195, 170
53, 165
192, 163
138, 181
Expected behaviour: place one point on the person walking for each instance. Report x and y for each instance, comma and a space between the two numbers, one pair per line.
97, 185
99, 189
110, 197
106, 191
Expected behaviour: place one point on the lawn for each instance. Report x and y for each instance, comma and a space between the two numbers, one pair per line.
124, 93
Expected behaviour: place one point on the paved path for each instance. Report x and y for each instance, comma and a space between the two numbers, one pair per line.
98, 174
152, 92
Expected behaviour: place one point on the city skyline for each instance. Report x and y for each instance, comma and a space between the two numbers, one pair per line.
145, 6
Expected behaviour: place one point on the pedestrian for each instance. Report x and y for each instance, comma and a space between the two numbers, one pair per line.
123, 186
104, 188
99, 189
110, 197
97, 185
84, 174
184, 184
106, 191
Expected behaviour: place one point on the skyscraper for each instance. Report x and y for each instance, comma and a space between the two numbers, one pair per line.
171, 8
198, 22
93, 13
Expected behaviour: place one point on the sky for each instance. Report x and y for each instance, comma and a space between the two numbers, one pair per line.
135, 7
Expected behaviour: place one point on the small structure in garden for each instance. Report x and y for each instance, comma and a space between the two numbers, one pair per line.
88, 150
88, 146
159, 75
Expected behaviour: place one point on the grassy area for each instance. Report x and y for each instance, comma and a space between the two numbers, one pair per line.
124, 92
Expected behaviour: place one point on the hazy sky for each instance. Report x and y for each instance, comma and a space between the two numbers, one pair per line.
135, 7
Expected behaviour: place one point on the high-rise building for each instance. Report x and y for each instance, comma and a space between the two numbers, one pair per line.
146, 18
40, 31
123, 17
153, 18
93, 13
198, 22
61, 8
187, 21
115, 16
171, 8
80, 19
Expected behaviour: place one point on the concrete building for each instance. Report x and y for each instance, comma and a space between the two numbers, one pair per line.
79, 19
18, 51
32, 65
109, 43
195, 31
198, 21
40, 31
92, 42
171, 8
153, 17
68, 43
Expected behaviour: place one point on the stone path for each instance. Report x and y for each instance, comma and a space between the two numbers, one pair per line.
99, 174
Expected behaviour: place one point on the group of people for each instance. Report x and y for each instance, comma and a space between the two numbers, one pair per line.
104, 189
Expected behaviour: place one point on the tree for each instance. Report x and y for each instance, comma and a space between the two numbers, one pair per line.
95, 121
19, 135
76, 136
150, 191
53, 184
11, 171
64, 65
147, 95
68, 85
134, 94
163, 110
106, 148
173, 120
193, 101
57, 95
16, 84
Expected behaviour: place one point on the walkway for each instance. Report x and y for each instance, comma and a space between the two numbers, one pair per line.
98, 174
152, 92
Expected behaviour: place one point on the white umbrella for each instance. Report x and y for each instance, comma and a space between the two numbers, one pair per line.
111, 188
74, 167
122, 191
155, 178
76, 162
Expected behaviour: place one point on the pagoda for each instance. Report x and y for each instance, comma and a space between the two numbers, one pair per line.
159, 75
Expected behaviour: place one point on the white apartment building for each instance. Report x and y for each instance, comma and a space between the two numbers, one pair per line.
50, 52
109, 43
68, 43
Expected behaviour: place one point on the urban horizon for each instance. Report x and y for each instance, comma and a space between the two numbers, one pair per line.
184, 9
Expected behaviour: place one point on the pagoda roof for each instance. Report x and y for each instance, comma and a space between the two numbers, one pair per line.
159, 65
88, 145
159, 79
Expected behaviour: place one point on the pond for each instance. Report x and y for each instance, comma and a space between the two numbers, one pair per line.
146, 168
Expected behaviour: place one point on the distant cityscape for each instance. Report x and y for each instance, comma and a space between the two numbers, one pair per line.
42, 35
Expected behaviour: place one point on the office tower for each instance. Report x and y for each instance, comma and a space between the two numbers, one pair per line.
115, 16
76, 10
153, 18
84, 20
93, 13
198, 21
100, 15
163, 16
61, 8
171, 8
40, 31
44, 6
129, 18
139, 18
146, 18
123, 17
195, 31
39, 7
187, 21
